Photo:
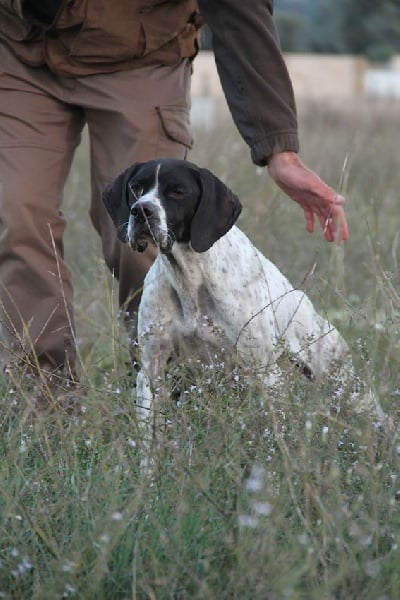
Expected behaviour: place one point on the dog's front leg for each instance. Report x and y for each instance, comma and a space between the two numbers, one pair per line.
149, 384
144, 408
144, 398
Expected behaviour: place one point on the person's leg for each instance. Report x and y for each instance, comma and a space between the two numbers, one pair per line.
132, 117
38, 136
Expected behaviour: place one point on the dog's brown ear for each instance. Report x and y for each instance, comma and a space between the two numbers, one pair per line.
116, 200
217, 211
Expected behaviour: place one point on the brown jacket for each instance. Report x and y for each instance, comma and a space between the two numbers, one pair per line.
253, 74
97, 36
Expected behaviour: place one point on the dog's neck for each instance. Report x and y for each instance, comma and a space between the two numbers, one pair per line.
181, 256
186, 265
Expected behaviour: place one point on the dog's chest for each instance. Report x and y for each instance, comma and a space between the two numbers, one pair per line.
197, 304
211, 292
229, 297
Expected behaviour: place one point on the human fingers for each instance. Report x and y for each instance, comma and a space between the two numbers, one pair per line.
328, 227
309, 218
342, 227
334, 225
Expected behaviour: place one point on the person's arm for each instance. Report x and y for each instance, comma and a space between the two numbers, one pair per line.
253, 74
259, 94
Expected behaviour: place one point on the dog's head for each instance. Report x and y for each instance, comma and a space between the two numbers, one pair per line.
169, 200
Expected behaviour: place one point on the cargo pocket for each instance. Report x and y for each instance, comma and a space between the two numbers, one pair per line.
175, 129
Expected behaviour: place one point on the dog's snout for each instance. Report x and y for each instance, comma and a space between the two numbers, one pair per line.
142, 211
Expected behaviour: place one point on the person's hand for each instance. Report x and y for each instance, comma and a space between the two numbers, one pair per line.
315, 197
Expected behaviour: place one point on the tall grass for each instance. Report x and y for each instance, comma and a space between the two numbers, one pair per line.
289, 496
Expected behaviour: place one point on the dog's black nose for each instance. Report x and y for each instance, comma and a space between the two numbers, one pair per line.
142, 211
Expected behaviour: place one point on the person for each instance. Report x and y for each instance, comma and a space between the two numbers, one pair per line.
123, 69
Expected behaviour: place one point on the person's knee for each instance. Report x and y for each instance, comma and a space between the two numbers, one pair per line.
24, 216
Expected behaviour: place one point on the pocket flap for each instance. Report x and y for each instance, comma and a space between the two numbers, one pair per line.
176, 124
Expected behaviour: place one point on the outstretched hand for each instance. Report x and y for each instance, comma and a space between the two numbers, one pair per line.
316, 198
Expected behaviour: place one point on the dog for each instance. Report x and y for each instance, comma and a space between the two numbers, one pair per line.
210, 288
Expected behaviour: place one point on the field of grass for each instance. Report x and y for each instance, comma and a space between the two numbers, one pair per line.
254, 498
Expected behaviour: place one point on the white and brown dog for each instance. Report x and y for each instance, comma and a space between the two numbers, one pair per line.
210, 287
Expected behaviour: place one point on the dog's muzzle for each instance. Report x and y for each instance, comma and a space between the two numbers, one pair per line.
144, 227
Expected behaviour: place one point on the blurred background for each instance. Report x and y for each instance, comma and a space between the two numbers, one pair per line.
334, 50
362, 27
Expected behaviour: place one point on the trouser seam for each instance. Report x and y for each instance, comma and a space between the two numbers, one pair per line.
36, 145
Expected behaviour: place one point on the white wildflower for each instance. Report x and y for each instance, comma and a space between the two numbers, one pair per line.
373, 568
105, 538
69, 590
262, 508
255, 482
68, 567
303, 538
248, 521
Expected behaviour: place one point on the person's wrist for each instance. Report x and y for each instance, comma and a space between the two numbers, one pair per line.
282, 157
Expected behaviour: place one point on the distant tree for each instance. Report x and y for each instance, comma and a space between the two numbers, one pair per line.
371, 28
367, 27
325, 36
293, 31
205, 38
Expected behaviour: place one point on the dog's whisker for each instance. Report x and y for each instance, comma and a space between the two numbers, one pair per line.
170, 237
123, 229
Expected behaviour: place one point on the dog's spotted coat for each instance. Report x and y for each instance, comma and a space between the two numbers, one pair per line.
210, 287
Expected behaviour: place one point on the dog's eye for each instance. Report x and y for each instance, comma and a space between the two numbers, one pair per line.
176, 192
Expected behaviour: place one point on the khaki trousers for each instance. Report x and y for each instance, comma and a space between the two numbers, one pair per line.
131, 116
